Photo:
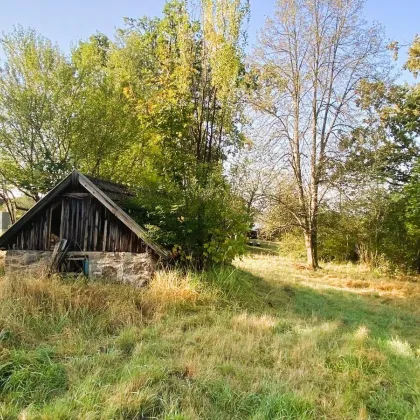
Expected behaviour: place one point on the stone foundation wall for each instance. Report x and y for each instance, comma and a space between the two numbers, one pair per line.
31, 263
122, 267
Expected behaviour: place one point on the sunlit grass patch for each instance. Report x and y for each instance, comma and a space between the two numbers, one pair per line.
171, 288
252, 322
401, 348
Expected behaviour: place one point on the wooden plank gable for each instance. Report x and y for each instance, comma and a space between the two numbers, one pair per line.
88, 219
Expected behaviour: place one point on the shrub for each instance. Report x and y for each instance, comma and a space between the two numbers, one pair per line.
291, 244
203, 222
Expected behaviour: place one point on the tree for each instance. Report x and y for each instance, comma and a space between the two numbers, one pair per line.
8, 198
312, 56
106, 123
189, 106
36, 113
252, 177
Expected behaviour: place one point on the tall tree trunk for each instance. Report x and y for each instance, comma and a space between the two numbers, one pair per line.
311, 244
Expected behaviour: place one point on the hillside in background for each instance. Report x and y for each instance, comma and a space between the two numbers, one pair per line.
265, 339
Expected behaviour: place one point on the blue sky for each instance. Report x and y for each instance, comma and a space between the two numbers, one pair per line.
65, 22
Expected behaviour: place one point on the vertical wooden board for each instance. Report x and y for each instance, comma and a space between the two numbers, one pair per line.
110, 235
82, 218
96, 229
62, 220
80, 223
33, 235
117, 237
41, 232
91, 224
105, 233
66, 218
48, 231
34, 226
36, 236
114, 236
76, 223
31, 238
38, 231
63, 233
130, 241
68, 221
35, 229
45, 230
72, 219
86, 224
106, 239
124, 240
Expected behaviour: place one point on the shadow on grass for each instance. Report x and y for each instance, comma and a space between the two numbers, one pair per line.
384, 320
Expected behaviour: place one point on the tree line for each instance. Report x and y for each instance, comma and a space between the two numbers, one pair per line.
308, 132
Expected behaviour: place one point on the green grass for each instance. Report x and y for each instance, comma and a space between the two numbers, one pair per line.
265, 248
266, 339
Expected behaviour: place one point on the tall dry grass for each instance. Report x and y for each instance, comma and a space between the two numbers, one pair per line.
263, 340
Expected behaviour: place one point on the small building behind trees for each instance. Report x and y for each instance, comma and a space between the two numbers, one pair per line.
80, 227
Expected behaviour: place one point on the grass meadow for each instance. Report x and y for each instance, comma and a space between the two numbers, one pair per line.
263, 339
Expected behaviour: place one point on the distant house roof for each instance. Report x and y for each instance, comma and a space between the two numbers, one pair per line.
107, 192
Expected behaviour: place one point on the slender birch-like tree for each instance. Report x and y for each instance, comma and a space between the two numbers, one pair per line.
311, 57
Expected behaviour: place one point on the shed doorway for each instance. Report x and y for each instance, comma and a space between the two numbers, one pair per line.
55, 225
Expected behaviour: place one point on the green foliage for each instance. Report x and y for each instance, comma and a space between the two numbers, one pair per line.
380, 179
31, 376
35, 112
411, 216
413, 61
372, 228
200, 223
338, 237
107, 125
292, 245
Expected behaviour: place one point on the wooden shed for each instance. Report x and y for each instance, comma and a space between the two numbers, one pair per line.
80, 227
